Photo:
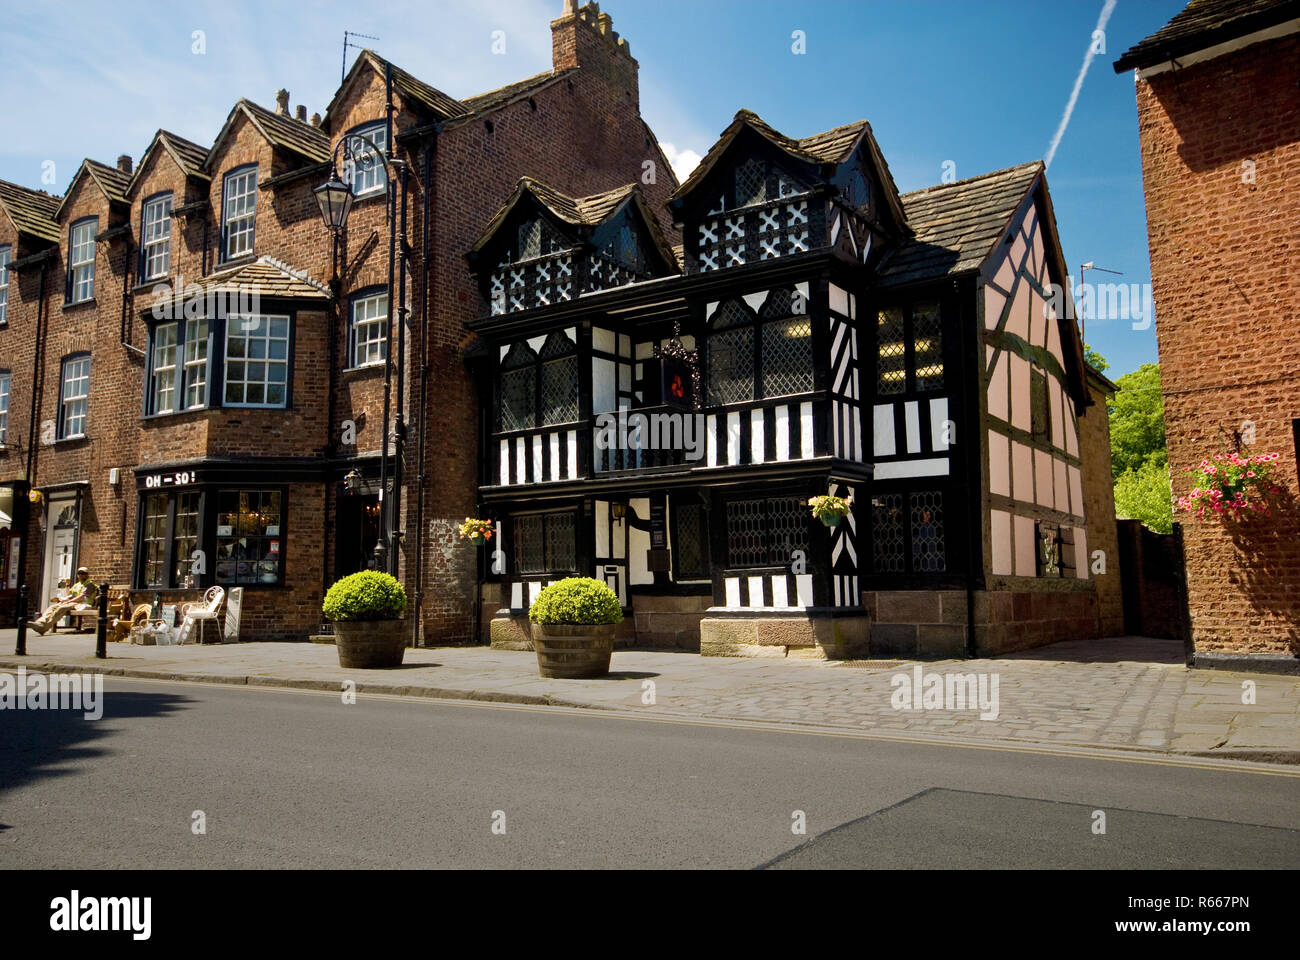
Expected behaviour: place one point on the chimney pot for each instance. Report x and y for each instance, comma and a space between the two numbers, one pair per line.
124, 163
570, 8
315, 119
282, 102
302, 113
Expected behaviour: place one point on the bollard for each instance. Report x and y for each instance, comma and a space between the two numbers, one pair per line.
20, 648
101, 625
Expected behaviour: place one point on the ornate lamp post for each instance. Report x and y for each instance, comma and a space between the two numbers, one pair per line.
335, 199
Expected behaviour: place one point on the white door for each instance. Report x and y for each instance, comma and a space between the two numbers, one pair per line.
60, 544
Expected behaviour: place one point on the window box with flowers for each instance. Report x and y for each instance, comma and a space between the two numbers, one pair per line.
1231, 485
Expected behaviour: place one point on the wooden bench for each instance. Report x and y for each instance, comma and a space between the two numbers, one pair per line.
118, 598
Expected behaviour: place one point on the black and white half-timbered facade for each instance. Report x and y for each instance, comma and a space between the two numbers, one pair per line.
659, 417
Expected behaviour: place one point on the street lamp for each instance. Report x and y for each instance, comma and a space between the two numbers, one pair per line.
335, 199
1089, 266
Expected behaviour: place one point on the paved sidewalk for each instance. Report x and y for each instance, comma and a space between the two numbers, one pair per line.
1121, 693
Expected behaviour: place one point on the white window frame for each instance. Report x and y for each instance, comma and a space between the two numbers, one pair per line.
73, 407
254, 330
372, 179
156, 237
368, 330
162, 362
5, 256
6, 378
238, 212
81, 260
195, 371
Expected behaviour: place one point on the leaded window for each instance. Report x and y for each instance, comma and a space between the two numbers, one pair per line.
74, 397
81, 260
690, 541
518, 388
751, 182
239, 212
765, 532
887, 533
363, 170
559, 380
156, 238
927, 532
536, 238
544, 543
257, 361
891, 352
185, 537
786, 350
369, 330
153, 541
731, 355
927, 345
5, 254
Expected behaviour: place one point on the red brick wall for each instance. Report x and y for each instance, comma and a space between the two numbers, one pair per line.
1224, 265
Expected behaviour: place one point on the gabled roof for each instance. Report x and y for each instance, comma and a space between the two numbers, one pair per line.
189, 156
32, 212
957, 225
286, 133
1206, 23
830, 147
271, 278
590, 211
112, 182
484, 102
444, 107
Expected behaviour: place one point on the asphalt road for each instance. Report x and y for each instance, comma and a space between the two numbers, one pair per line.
300, 779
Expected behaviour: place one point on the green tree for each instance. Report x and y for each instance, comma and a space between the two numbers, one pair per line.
1137, 421
1095, 359
1145, 494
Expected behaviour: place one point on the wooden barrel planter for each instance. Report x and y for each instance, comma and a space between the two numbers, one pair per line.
571, 651
369, 644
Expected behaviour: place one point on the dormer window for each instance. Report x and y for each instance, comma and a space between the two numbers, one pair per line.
156, 237
239, 212
81, 260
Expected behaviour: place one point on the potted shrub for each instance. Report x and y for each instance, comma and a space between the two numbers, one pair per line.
573, 628
367, 609
830, 510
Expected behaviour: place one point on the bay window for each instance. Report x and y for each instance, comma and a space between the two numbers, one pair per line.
539, 387
257, 361
178, 367
759, 356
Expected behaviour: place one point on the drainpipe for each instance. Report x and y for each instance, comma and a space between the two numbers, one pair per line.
38, 366
384, 548
399, 426
430, 147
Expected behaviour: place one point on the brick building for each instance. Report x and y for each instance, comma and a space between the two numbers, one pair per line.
193, 370
1218, 97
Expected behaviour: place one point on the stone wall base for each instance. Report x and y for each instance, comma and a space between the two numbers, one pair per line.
812, 636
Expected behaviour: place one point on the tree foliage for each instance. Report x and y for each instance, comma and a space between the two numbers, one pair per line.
1095, 359
1137, 421
1145, 494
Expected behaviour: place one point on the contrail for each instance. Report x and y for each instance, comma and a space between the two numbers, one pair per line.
1106, 11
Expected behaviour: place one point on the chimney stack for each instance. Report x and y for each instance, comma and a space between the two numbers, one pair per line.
302, 113
315, 120
282, 102
585, 36
124, 163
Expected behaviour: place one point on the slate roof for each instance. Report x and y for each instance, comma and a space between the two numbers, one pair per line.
287, 133
831, 146
1205, 23
589, 211
189, 156
32, 211
483, 102
268, 276
956, 225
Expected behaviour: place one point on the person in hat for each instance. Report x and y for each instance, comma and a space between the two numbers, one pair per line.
81, 596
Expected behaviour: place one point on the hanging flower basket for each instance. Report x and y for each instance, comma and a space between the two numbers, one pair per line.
477, 532
830, 510
1231, 486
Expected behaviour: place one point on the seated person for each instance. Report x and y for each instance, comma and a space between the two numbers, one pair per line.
81, 596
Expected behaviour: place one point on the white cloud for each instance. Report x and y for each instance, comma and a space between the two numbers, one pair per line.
682, 161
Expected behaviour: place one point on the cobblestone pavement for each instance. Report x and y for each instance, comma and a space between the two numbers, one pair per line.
1124, 692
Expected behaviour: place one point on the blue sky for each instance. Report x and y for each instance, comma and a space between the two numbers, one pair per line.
978, 83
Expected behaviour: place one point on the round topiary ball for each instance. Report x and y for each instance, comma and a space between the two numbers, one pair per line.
578, 600
368, 595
